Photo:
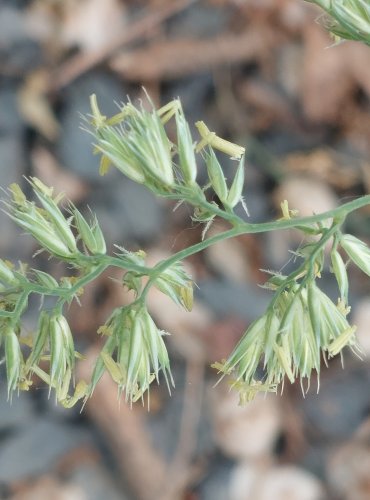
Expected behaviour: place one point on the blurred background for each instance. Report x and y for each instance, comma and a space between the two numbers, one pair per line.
264, 74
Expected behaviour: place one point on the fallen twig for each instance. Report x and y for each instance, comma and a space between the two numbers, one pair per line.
83, 62
180, 57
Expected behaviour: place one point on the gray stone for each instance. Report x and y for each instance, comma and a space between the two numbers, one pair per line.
315, 459
18, 53
12, 167
165, 425
10, 118
128, 211
12, 160
15, 413
226, 298
341, 405
194, 93
12, 26
37, 447
74, 148
216, 485
22, 57
96, 483
257, 204
199, 20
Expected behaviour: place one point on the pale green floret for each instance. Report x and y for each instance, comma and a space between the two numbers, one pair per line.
67, 337
55, 216
314, 311
44, 224
357, 251
333, 322
139, 374
46, 279
236, 188
272, 330
91, 234
283, 354
353, 14
13, 359
113, 147
247, 352
100, 244
62, 353
347, 337
57, 353
177, 284
84, 230
185, 148
48, 239
6, 274
340, 272
41, 340
216, 175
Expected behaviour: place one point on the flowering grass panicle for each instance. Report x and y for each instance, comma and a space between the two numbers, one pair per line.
299, 328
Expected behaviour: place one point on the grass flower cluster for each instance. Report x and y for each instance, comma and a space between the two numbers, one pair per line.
301, 327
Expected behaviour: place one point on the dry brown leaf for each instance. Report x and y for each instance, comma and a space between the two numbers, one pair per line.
325, 165
47, 487
125, 433
356, 128
180, 57
35, 106
267, 105
327, 81
357, 60
47, 168
348, 469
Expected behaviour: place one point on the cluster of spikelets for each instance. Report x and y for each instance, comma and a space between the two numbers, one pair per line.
348, 19
52, 343
135, 141
134, 352
301, 327
48, 225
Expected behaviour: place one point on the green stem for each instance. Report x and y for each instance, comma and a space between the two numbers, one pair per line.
246, 228
240, 227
